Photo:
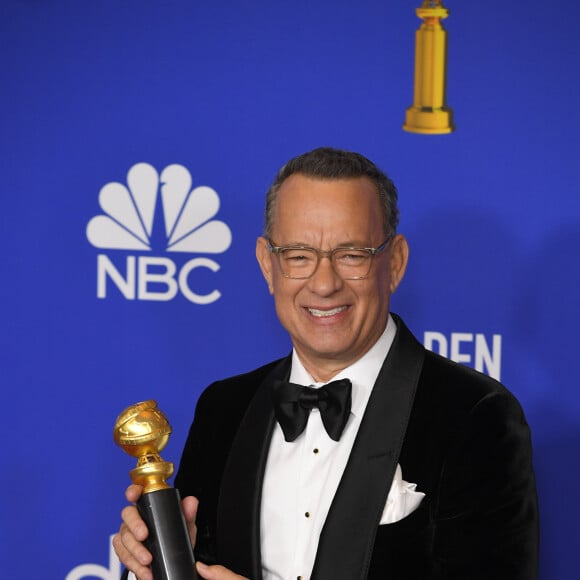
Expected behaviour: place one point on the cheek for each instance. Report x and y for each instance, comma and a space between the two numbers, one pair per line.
384, 285
283, 297
376, 296
286, 314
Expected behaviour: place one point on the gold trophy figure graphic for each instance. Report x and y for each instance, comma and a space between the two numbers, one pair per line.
429, 113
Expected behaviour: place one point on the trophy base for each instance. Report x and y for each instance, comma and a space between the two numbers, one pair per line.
168, 539
429, 120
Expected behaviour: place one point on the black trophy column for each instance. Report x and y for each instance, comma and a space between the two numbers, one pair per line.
168, 539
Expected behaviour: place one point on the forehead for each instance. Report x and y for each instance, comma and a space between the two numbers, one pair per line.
344, 209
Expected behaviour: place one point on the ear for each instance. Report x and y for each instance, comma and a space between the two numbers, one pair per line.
399, 258
264, 257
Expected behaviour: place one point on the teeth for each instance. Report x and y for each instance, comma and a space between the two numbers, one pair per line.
316, 312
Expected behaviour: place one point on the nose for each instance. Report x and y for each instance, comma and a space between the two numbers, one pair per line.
325, 281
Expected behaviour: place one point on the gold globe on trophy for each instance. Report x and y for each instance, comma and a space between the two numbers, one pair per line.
142, 431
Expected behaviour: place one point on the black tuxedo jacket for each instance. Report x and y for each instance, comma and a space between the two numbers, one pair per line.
459, 435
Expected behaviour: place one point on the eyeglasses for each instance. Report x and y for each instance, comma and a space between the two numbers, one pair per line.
301, 262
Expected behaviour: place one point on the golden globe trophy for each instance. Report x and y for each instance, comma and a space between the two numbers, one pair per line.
429, 113
142, 431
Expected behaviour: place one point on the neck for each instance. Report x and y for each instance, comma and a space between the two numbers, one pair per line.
323, 375
323, 370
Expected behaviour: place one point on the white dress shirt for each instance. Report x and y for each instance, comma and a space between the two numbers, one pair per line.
302, 476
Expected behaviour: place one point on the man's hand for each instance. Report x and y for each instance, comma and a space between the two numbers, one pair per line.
216, 573
128, 543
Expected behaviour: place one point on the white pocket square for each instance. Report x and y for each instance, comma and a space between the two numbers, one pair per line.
403, 499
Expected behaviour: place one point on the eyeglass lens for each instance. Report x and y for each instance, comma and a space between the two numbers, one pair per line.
302, 262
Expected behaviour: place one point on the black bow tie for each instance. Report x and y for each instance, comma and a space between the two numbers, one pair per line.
293, 403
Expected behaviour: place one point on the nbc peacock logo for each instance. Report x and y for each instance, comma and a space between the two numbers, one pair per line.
131, 222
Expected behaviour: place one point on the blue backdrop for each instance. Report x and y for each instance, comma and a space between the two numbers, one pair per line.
227, 91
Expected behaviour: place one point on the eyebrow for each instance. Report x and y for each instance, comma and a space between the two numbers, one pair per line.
349, 244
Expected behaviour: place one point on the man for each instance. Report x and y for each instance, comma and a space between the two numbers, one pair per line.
425, 475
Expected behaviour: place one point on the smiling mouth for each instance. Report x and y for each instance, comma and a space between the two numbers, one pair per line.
325, 313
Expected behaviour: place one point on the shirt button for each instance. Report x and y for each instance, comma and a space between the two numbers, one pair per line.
307, 514
299, 578
315, 450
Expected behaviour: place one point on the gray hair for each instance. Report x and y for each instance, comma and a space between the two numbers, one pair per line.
328, 163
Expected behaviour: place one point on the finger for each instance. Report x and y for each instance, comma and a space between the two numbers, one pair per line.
134, 523
129, 560
134, 547
133, 492
216, 572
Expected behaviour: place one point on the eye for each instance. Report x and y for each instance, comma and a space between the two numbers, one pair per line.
352, 257
298, 256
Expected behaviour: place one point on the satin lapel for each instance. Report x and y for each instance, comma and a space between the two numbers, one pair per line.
238, 517
348, 535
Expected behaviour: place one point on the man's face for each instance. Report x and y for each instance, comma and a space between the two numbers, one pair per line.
332, 322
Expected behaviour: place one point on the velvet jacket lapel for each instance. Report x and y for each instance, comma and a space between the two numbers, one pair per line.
347, 537
238, 517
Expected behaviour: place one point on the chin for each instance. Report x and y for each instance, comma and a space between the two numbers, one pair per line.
331, 351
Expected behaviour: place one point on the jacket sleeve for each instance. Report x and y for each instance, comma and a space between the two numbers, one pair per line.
487, 512
196, 477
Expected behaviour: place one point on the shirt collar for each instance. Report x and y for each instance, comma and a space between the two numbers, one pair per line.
363, 373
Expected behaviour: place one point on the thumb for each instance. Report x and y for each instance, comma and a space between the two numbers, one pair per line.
189, 506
